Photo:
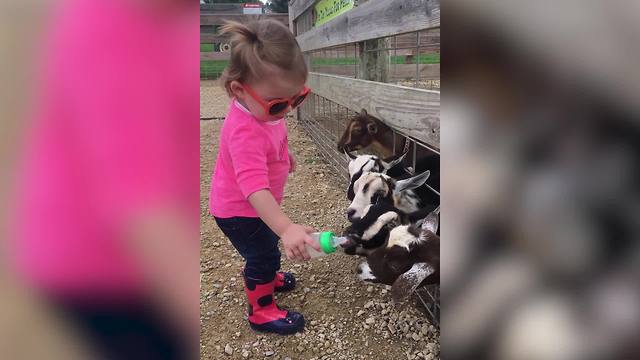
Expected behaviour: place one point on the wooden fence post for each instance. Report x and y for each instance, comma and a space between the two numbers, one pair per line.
373, 64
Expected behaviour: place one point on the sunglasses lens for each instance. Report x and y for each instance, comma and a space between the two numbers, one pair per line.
299, 100
278, 108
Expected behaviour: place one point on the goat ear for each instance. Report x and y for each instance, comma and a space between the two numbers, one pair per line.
372, 128
349, 155
430, 223
412, 182
363, 112
407, 283
392, 163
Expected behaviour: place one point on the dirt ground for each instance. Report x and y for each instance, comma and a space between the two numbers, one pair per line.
346, 318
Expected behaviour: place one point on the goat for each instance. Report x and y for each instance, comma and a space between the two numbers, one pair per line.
372, 231
394, 167
410, 258
364, 130
371, 188
361, 164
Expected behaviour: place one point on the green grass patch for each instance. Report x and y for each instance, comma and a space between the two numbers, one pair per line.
334, 61
211, 69
206, 47
398, 59
420, 59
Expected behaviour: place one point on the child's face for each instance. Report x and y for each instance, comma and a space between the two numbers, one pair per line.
274, 87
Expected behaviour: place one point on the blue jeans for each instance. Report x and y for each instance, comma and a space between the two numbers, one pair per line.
256, 243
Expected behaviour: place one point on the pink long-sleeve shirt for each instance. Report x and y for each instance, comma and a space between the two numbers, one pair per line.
114, 136
253, 155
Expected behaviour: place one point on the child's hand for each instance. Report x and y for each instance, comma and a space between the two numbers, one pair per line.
292, 162
294, 239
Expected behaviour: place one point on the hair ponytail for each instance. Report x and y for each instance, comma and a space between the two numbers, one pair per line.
257, 44
240, 33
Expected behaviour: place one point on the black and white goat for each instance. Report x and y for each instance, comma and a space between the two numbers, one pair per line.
360, 164
372, 188
372, 230
408, 199
410, 258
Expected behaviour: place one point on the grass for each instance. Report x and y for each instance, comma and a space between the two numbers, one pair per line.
421, 59
206, 47
398, 59
211, 69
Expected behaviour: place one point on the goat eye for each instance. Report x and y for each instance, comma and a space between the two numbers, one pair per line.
365, 188
379, 195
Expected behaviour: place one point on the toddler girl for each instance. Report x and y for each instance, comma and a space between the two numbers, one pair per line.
265, 79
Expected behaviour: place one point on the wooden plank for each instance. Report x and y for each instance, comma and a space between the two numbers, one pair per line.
373, 19
408, 71
297, 7
412, 112
215, 56
396, 72
219, 19
221, 8
206, 38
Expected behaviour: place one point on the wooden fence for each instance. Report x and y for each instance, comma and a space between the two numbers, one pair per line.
359, 44
411, 111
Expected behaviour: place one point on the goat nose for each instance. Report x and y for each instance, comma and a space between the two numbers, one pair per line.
350, 213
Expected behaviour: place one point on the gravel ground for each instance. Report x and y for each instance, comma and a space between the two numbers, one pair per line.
346, 318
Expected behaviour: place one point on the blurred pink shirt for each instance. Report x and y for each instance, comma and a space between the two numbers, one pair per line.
115, 133
253, 155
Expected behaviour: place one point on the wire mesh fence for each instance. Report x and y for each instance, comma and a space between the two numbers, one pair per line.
325, 121
411, 59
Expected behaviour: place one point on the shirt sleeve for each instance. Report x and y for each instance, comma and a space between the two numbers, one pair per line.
248, 152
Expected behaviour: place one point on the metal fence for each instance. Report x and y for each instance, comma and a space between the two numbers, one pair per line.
411, 59
403, 72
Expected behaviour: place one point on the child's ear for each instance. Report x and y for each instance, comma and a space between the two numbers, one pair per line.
237, 89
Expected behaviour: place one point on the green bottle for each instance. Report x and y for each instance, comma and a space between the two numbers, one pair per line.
328, 243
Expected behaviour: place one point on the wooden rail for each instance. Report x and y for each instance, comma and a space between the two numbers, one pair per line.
219, 19
413, 112
396, 72
371, 20
297, 7
213, 38
215, 55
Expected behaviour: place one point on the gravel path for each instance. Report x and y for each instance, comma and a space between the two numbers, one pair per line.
346, 318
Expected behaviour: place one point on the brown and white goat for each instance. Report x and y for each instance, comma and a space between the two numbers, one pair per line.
363, 131
410, 258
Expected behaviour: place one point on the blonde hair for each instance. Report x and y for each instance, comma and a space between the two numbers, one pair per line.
258, 44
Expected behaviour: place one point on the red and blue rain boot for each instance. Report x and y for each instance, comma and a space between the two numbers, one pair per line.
264, 314
285, 281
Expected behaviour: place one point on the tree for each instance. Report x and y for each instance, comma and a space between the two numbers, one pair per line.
278, 6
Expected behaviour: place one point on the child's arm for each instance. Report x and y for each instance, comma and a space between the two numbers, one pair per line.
293, 236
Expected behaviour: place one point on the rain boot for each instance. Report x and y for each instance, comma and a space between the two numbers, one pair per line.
285, 281
264, 314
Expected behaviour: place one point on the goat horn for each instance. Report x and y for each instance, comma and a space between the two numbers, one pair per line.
408, 282
350, 155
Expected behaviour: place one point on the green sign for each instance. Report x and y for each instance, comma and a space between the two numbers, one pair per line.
328, 9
